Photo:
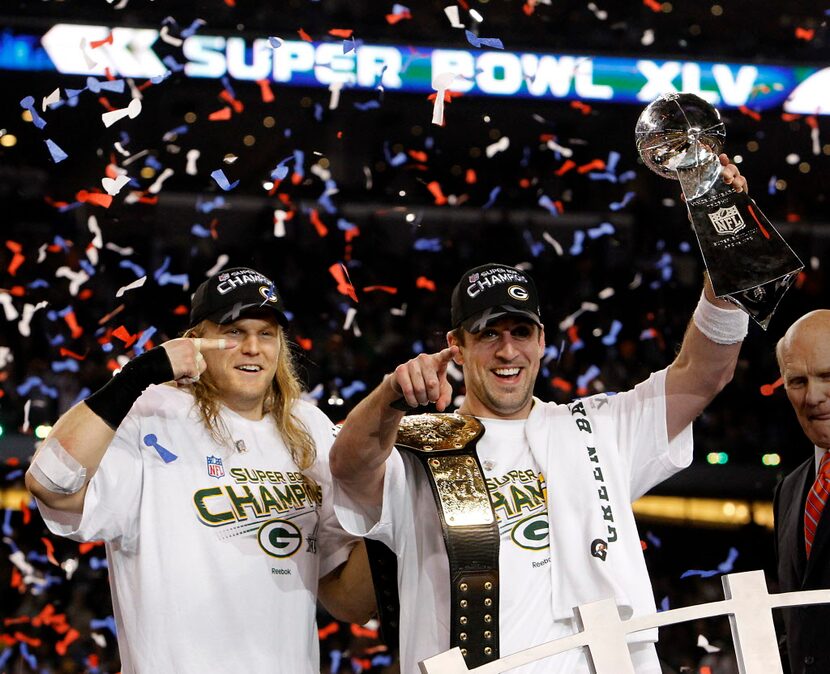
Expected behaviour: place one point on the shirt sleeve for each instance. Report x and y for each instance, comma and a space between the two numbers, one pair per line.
111, 503
334, 542
373, 522
642, 435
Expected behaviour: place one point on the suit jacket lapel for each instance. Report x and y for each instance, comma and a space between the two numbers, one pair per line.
791, 521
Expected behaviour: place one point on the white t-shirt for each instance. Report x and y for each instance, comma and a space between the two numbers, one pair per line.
409, 525
214, 553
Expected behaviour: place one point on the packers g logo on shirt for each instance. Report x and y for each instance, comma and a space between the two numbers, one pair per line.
279, 538
532, 532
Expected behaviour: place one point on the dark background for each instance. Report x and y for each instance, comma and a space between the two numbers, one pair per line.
406, 243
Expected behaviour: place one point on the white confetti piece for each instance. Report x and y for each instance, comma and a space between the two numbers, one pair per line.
131, 286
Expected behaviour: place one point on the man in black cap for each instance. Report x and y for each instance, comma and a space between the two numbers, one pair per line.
207, 477
508, 515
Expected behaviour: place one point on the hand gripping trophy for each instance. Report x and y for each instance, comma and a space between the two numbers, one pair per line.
680, 136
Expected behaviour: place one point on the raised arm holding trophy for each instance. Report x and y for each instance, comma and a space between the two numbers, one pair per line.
680, 136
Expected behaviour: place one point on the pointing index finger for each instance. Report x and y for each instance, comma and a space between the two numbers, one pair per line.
205, 344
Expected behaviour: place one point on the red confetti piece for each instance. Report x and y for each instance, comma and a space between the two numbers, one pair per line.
17, 291
71, 320
61, 646
26, 639
750, 113
220, 115
653, 5
812, 121
94, 44
16, 582
595, 165
418, 155
345, 33
386, 289
584, 108
319, 225
360, 631
104, 101
344, 285
230, 3
71, 354
769, 389
561, 384
643, 544
470, 177
363, 664
84, 548
305, 343
15, 621
24, 509
392, 19
50, 550
121, 333
805, 34
351, 234
304, 36
425, 283
94, 198
435, 190
235, 103
265, 91
12, 461
328, 630
85, 294
529, 7
181, 310
17, 258
567, 166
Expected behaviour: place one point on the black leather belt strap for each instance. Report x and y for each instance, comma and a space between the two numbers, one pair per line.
445, 446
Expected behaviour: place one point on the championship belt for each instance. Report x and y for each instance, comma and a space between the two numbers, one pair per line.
445, 446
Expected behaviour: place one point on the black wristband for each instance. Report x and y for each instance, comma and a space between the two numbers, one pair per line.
113, 401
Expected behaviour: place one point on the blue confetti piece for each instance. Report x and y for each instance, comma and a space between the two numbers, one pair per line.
200, 231
627, 176
36, 382
684, 247
299, 159
165, 264
355, 387
664, 604
226, 82
724, 567
132, 266
85, 391
344, 225
86, 265
547, 203
656, 542
28, 657
492, 199
208, 206
579, 239
418, 346
37, 557
174, 279
68, 365
585, 379
326, 202
771, 184
368, 105
96, 563
480, 42
28, 103
107, 623
150, 440
172, 63
281, 169
617, 205
349, 46
145, 337
611, 337
192, 28
318, 112
7, 519
152, 162
219, 176
432, 245
381, 660
604, 228
536, 247
5, 656
275, 42
58, 155
57, 340
38, 283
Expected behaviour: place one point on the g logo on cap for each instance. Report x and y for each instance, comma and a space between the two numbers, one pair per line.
518, 293
268, 294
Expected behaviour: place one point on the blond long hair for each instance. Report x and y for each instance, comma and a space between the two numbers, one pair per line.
279, 403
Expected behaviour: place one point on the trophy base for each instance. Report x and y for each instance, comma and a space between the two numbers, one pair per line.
761, 301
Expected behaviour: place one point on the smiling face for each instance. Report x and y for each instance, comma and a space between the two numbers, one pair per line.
500, 367
804, 358
244, 375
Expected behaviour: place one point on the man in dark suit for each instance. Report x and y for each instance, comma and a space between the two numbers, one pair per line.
802, 527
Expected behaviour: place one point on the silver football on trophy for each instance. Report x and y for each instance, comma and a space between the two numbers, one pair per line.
679, 131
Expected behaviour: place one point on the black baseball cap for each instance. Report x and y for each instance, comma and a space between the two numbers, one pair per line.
486, 293
228, 293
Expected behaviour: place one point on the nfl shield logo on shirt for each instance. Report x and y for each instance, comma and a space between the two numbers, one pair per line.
215, 467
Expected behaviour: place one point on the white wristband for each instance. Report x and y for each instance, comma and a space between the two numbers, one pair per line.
722, 326
56, 469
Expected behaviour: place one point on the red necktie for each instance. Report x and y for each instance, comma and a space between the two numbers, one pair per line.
815, 502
